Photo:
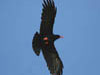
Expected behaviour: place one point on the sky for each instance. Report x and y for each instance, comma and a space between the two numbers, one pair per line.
77, 20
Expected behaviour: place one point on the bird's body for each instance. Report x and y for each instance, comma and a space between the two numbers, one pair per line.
44, 41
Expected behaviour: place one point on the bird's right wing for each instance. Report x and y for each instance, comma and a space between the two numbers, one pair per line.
48, 16
53, 61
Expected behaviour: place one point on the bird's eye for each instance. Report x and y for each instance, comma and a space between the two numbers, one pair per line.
45, 38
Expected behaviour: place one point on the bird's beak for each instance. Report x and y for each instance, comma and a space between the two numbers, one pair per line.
61, 36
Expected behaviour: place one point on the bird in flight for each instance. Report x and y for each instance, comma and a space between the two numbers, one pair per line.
44, 41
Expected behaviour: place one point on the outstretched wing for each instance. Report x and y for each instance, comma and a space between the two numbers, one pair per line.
48, 16
53, 61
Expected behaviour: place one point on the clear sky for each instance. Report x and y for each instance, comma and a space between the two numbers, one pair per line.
77, 20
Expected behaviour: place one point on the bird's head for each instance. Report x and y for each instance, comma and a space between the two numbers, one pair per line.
57, 37
51, 38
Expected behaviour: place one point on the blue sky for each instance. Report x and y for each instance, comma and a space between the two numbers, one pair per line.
77, 20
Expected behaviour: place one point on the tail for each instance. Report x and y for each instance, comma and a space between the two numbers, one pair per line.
36, 44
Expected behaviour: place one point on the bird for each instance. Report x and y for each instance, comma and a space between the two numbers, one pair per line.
43, 41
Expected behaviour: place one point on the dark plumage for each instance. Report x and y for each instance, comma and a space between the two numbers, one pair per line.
44, 41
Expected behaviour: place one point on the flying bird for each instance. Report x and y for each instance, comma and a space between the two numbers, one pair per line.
44, 41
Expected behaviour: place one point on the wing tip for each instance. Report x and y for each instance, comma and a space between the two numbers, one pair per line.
48, 3
49, 6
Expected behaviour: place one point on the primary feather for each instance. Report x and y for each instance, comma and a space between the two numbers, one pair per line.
51, 56
48, 17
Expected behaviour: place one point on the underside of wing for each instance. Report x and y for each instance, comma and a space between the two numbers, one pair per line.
48, 16
53, 61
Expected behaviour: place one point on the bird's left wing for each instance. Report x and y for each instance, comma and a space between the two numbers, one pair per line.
53, 61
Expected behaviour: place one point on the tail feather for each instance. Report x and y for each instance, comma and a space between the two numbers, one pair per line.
36, 44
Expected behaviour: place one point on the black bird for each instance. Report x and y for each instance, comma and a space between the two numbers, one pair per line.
44, 41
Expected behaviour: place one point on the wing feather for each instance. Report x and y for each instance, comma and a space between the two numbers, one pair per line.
48, 16
53, 61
